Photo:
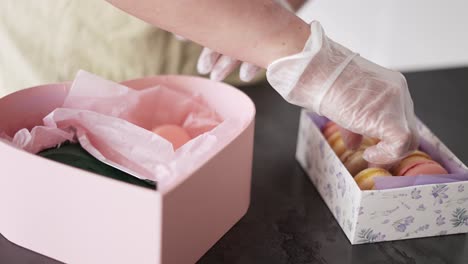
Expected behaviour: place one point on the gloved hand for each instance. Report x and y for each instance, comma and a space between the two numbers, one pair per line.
220, 66
360, 96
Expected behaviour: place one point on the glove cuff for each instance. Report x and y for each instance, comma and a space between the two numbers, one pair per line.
304, 78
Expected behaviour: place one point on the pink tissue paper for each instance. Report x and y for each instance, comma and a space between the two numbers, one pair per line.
113, 123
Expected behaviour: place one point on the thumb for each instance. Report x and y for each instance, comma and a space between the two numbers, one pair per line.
393, 147
380, 154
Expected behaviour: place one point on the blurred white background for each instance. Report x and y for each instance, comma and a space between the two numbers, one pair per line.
400, 34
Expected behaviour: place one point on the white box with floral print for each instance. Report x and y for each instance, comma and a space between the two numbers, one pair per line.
383, 215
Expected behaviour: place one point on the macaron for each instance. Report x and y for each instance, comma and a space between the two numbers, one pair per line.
418, 153
174, 134
413, 158
329, 129
417, 165
354, 161
337, 143
365, 178
368, 141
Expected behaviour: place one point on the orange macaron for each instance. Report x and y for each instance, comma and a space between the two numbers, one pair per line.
330, 128
365, 178
337, 143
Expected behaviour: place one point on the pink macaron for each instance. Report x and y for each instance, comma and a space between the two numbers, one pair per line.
421, 166
174, 134
329, 129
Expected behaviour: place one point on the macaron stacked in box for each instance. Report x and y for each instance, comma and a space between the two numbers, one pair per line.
417, 163
174, 134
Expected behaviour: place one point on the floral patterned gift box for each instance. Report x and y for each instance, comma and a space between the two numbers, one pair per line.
390, 214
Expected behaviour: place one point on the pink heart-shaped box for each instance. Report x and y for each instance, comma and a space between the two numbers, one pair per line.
78, 217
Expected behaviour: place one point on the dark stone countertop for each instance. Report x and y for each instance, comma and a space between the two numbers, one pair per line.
289, 223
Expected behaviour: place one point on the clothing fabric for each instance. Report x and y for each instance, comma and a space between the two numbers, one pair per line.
49, 41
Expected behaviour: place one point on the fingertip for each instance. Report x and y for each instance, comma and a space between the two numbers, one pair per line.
216, 76
370, 154
378, 156
247, 72
204, 66
206, 61
224, 66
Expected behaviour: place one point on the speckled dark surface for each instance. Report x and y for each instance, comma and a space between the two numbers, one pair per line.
288, 222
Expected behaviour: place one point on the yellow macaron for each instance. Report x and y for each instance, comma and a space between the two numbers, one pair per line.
337, 143
365, 179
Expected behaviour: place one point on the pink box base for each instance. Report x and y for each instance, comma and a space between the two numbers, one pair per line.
78, 217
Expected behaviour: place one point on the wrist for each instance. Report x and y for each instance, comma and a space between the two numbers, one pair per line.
286, 41
305, 77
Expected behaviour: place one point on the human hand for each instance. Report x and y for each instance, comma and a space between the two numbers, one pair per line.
360, 96
220, 66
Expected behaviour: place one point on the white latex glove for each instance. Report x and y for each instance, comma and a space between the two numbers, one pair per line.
362, 97
220, 66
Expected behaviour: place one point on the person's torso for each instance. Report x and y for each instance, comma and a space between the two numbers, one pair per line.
50, 40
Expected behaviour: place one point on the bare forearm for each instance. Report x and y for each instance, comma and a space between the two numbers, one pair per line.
297, 3
254, 31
